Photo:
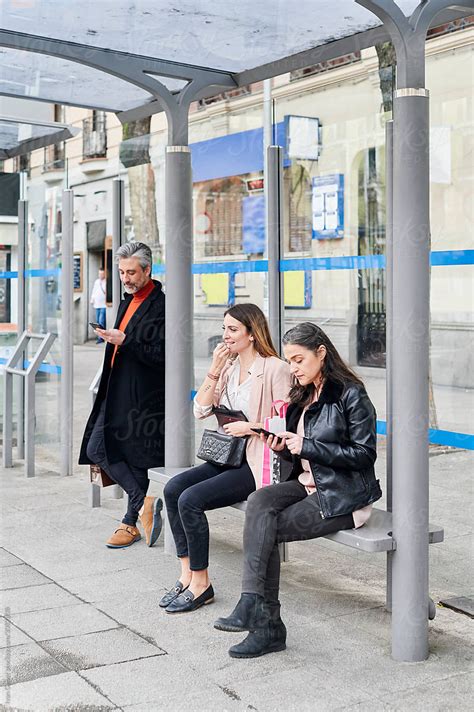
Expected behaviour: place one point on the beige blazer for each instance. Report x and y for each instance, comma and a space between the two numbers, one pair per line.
271, 382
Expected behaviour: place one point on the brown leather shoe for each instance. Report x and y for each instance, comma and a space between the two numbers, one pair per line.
125, 535
151, 519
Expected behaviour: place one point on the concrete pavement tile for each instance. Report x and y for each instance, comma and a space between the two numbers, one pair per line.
63, 622
10, 635
209, 699
372, 668
92, 588
26, 662
36, 598
20, 576
66, 566
61, 692
48, 502
451, 693
104, 648
317, 689
148, 680
331, 599
7, 559
373, 705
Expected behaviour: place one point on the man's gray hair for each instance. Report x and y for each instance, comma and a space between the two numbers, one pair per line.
135, 249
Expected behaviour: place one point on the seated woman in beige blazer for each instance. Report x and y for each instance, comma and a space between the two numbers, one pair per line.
245, 374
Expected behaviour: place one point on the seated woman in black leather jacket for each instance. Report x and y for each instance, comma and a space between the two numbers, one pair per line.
330, 444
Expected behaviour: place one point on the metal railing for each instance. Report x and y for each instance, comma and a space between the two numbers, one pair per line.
54, 157
29, 373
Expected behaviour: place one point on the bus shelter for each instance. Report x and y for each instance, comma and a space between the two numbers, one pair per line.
194, 51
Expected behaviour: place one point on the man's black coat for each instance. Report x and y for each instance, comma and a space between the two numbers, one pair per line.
134, 389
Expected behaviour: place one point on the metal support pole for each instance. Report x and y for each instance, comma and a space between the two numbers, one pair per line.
411, 313
118, 224
389, 330
7, 459
30, 427
21, 318
118, 230
274, 188
67, 332
179, 428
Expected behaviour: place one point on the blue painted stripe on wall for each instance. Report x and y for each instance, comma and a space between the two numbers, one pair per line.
232, 155
438, 259
442, 258
449, 438
31, 273
330, 263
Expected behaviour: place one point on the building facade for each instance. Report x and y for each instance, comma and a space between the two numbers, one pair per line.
330, 119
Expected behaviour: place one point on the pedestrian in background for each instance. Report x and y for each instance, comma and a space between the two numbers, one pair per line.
98, 301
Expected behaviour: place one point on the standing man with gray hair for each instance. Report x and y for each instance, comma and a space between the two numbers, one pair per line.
125, 431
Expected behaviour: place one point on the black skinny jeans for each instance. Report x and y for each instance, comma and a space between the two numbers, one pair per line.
275, 514
189, 494
134, 480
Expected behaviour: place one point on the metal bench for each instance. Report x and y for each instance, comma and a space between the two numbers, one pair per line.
375, 536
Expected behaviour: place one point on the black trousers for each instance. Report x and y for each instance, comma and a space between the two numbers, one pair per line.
189, 494
134, 480
280, 513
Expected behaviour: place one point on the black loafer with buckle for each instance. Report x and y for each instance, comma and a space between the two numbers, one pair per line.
186, 602
172, 594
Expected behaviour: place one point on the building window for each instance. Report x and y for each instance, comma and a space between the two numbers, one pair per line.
219, 204
22, 164
325, 66
228, 95
298, 190
94, 135
55, 156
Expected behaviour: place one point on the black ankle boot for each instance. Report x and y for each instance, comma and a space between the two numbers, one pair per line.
269, 639
250, 612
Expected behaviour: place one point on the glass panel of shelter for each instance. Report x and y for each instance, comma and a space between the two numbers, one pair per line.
43, 309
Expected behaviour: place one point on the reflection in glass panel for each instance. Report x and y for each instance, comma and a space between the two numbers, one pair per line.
371, 241
43, 309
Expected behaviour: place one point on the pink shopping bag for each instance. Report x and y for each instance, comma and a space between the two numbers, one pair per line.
274, 424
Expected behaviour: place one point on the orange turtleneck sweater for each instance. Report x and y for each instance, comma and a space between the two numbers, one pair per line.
137, 299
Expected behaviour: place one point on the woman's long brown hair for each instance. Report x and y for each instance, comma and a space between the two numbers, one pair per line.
312, 337
253, 318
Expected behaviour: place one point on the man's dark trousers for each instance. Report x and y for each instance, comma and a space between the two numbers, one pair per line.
134, 480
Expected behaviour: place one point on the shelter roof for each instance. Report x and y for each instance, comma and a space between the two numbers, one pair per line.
237, 43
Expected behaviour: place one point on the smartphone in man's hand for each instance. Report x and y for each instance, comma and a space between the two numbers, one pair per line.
95, 325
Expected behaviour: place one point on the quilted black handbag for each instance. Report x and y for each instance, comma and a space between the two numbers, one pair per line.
220, 448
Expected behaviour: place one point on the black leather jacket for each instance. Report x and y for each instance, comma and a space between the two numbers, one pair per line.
340, 444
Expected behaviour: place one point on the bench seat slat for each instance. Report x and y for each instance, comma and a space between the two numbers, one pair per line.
374, 536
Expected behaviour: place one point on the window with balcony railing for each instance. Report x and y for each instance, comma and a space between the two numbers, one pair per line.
21, 164
54, 157
94, 135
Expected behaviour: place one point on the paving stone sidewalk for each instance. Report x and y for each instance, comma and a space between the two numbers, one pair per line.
81, 630
80, 626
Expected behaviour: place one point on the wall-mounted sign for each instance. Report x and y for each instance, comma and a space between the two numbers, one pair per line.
253, 224
255, 184
203, 223
303, 137
77, 271
328, 206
